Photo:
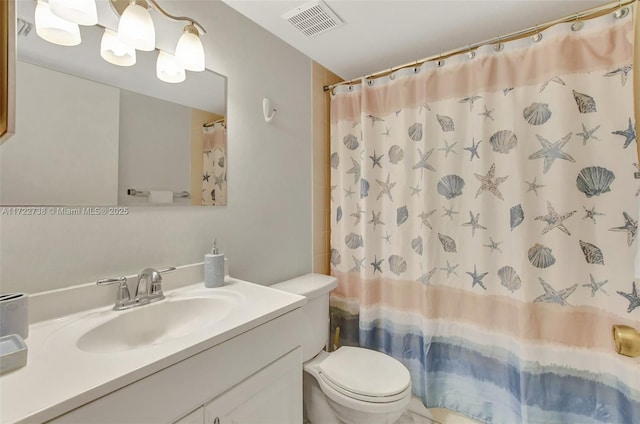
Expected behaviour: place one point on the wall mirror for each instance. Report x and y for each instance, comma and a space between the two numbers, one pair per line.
90, 133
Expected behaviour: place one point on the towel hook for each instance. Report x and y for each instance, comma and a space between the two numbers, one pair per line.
268, 109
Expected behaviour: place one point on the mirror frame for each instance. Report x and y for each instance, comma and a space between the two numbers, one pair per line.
7, 64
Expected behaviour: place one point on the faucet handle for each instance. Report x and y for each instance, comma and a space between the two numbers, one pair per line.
123, 296
171, 268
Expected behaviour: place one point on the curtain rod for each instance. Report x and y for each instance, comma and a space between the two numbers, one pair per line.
212, 123
594, 12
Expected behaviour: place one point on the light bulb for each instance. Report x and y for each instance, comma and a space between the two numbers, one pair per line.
115, 51
54, 29
168, 69
136, 28
81, 12
189, 51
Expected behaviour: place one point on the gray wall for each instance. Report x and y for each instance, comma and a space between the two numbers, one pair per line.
265, 230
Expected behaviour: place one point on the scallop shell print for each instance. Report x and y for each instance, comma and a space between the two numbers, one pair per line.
335, 160
415, 131
537, 113
592, 253
503, 141
353, 241
450, 186
395, 154
540, 256
509, 278
594, 180
401, 215
446, 123
586, 103
351, 142
448, 244
416, 245
397, 264
364, 188
336, 259
516, 216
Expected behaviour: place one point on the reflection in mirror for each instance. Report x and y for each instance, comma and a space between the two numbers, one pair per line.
92, 133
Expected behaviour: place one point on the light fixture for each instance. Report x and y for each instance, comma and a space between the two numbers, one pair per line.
168, 69
189, 50
114, 51
81, 12
136, 28
54, 29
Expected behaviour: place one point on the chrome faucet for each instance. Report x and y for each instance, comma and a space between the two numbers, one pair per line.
148, 290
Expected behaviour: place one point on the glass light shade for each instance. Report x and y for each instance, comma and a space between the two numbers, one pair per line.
81, 12
115, 51
189, 51
53, 29
136, 28
168, 69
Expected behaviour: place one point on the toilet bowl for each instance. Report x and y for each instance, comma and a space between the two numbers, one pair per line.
351, 385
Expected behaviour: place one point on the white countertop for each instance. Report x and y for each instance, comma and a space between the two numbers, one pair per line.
59, 377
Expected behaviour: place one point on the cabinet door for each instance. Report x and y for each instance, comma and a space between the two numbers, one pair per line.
196, 417
273, 395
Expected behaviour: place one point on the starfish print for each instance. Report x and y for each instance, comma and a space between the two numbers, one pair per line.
490, 182
487, 113
596, 286
506, 91
552, 151
591, 213
374, 119
426, 278
357, 214
554, 220
588, 134
634, 300
423, 164
451, 269
398, 112
376, 264
206, 177
493, 245
477, 278
557, 80
473, 149
424, 106
358, 264
375, 220
376, 160
415, 190
387, 238
622, 71
552, 295
355, 170
219, 180
386, 187
333, 187
533, 186
470, 100
449, 212
208, 152
387, 132
424, 216
630, 226
348, 193
448, 148
473, 223
629, 134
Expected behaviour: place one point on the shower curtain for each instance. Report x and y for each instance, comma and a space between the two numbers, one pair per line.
214, 172
484, 220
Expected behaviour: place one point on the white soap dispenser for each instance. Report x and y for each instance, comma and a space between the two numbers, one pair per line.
213, 268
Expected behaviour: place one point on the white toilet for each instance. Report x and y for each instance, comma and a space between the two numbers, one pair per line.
351, 385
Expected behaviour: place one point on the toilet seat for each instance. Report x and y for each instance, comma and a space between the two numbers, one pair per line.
365, 375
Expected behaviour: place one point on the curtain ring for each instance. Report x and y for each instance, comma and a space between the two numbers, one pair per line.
392, 76
621, 12
537, 36
498, 47
577, 25
440, 61
471, 54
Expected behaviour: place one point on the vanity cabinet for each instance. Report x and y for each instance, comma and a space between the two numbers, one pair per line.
254, 377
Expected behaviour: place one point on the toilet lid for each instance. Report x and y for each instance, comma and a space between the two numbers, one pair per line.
365, 372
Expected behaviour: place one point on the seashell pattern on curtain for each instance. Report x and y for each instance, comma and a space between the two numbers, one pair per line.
484, 220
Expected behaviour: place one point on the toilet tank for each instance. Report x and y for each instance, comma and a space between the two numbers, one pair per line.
316, 288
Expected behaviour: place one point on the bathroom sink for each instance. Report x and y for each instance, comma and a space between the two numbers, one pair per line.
154, 324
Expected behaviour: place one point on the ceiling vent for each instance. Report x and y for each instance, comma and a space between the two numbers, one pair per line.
313, 18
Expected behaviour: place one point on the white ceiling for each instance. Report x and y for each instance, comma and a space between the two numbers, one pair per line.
380, 34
